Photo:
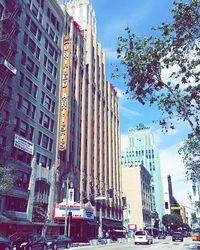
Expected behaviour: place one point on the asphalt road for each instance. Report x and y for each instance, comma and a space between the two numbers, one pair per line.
158, 244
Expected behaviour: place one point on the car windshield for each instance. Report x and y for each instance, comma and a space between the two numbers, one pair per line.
140, 233
177, 233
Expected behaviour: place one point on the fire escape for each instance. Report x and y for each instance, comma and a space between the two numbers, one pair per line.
9, 29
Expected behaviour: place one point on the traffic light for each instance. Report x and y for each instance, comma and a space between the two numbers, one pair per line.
111, 192
124, 202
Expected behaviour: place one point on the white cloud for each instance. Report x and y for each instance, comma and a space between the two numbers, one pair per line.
160, 136
111, 54
128, 112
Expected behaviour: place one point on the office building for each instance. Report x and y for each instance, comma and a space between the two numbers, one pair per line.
136, 187
30, 49
168, 194
99, 165
142, 150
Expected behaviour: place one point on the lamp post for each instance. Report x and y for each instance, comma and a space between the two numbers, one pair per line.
66, 204
100, 198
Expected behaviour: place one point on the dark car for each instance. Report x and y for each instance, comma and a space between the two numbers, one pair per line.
33, 242
162, 236
5, 243
59, 241
177, 236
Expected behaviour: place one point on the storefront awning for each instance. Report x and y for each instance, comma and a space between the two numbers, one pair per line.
92, 222
112, 224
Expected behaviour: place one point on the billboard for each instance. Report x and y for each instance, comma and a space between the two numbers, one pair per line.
23, 144
64, 102
77, 211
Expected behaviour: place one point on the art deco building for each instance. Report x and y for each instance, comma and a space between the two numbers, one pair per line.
136, 186
100, 145
30, 49
142, 150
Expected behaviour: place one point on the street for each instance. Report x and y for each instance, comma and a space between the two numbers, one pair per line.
158, 244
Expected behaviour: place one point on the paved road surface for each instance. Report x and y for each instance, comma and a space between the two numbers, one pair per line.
157, 245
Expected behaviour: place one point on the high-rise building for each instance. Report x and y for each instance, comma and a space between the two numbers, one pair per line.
142, 150
136, 187
30, 49
168, 194
100, 144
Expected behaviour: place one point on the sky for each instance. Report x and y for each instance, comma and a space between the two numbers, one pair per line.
112, 18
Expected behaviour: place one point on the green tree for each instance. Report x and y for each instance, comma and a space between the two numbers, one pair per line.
190, 152
39, 212
173, 220
6, 180
173, 49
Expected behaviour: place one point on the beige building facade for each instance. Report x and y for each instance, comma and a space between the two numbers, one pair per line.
136, 186
89, 143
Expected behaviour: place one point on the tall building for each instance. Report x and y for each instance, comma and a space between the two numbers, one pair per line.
100, 144
142, 150
136, 187
30, 49
168, 194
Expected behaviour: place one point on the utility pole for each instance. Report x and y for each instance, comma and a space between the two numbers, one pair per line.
66, 204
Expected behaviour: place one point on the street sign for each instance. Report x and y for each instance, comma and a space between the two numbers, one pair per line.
176, 208
99, 198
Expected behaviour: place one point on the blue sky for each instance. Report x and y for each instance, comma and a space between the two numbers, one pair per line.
112, 18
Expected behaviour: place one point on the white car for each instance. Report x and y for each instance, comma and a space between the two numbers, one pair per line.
143, 236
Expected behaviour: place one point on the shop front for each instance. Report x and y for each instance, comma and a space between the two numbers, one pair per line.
81, 225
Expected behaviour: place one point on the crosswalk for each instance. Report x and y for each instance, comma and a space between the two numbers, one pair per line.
187, 245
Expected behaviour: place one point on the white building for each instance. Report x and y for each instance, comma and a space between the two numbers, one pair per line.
142, 150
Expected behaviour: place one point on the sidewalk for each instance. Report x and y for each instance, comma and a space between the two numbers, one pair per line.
96, 242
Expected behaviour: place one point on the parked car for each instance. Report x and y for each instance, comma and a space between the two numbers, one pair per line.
143, 236
5, 243
59, 241
196, 236
177, 236
28, 243
161, 236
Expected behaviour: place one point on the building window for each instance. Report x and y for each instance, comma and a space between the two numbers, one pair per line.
25, 41
34, 10
27, 22
50, 66
31, 45
33, 28
15, 204
2, 140
29, 65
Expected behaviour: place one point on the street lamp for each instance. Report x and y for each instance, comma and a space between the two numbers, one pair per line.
100, 198
66, 205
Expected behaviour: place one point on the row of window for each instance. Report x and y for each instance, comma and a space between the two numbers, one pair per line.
28, 85
23, 128
45, 141
47, 102
32, 26
49, 66
26, 106
29, 64
35, 50
21, 156
46, 121
53, 19
52, 51
43, 160
48, 83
